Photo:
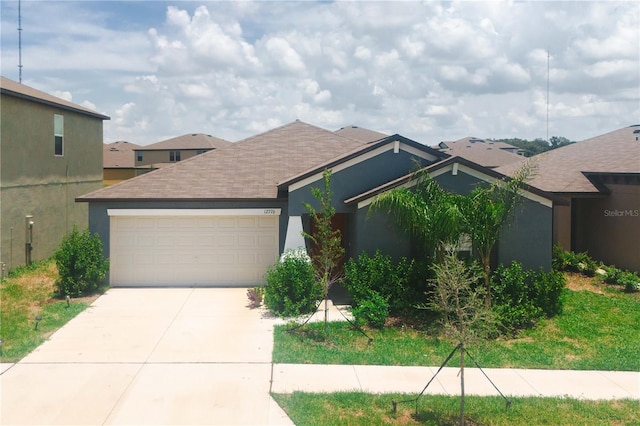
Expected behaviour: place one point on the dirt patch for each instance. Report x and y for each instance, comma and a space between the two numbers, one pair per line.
578, 282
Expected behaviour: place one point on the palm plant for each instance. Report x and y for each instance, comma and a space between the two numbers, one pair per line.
427, 212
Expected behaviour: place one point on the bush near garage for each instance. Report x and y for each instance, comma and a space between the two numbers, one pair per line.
81, 265
291, 288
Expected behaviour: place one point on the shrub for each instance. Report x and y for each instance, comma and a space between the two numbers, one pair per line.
628, 280
547, 290
520, 298
401, 284
255, 296
81, 265
291, 288
574, 262
372, 310
511, 302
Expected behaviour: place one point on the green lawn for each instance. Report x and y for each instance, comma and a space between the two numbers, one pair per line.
366, 409
28, 293
595, 332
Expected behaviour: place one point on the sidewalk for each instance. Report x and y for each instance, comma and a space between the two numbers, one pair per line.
588, 385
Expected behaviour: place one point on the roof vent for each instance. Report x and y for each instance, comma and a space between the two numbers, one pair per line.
194, 134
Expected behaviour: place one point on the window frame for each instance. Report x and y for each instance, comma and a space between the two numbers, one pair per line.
58, 135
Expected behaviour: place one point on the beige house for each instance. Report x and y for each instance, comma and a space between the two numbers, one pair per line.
598, 184
176, 149
50, 153
119, 162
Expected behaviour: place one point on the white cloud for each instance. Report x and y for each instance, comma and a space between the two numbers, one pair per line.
430, 71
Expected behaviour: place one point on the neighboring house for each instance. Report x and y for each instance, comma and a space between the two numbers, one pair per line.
360, 134
50, 153
176, 149
118, 160
487, 153
224, 217
597, 183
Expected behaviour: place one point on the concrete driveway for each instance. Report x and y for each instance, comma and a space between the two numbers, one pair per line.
150, 356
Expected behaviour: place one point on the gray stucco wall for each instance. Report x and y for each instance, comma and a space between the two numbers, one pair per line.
355, 180
376, 231
528, 238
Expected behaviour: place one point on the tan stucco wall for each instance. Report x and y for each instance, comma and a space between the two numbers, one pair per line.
562, 226
113, 176
35, 182
609, 228
154, 157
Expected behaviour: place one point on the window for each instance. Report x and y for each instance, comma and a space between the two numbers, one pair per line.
174, 155
138, 156
58, 135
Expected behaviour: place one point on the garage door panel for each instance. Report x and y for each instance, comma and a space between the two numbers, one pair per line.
192, 250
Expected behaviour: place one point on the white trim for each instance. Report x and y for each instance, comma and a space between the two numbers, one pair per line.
367, 201
194, 212
294, 239
391, 145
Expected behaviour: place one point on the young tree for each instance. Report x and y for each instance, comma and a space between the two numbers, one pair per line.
464, 317
327, 241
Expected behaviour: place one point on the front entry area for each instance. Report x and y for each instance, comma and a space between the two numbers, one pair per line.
192, 248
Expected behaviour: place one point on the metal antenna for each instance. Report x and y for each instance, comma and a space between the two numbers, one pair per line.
547, 95
19, 42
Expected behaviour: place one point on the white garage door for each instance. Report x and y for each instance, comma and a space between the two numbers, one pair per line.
195, 247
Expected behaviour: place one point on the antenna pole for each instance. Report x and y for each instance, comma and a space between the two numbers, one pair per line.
19, 42
547, 95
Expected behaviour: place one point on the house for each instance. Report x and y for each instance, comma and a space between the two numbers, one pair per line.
50, 153
487, 153
597, 185
118, 159
360, 133
176, 149
222, 218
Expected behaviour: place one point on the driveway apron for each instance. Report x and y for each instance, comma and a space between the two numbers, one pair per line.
150, 356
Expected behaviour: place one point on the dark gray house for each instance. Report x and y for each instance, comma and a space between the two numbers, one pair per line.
223, 217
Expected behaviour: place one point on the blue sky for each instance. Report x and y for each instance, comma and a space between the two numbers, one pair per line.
430, 71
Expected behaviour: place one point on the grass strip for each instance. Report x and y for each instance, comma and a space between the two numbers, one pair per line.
594, 332
25, 294
354, 408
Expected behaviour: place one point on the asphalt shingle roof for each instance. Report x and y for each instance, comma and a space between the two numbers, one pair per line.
13, 88
249, 169
188, 141
360, 134
562, 170
484, 152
